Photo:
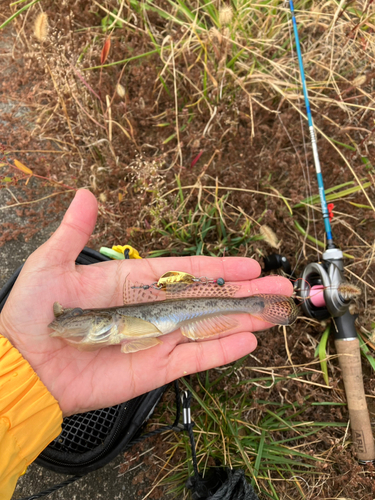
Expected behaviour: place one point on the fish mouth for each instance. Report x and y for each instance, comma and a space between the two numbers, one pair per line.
59, 329
55, 326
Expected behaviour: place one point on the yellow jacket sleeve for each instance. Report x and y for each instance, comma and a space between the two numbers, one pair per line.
30, 417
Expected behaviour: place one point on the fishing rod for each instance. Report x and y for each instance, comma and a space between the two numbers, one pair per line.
321, 289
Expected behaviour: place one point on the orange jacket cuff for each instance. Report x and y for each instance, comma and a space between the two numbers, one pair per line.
30, 417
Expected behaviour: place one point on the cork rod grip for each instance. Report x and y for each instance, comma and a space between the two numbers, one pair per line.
350, 364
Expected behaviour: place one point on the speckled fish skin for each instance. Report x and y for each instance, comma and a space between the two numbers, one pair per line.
197, 318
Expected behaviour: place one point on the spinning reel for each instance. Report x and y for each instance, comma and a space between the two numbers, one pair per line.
324, 294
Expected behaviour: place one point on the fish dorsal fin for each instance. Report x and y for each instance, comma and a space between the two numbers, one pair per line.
197, 290
204, 328
136, 293
133, 293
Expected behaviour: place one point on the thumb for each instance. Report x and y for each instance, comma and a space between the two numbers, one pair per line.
74, 231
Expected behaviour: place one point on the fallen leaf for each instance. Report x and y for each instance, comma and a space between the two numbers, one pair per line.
105, 51
23, 168
120, 90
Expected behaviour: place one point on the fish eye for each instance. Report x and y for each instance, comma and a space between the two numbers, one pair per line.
76, 312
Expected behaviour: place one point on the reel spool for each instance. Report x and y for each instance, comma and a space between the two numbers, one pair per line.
323, 278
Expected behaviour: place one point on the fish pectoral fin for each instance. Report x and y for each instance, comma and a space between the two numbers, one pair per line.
136, 327
82, 346
207, 327
139, 345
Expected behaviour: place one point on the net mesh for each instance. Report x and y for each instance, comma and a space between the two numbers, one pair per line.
85, 431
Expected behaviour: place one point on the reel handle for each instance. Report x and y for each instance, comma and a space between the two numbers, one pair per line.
347, 347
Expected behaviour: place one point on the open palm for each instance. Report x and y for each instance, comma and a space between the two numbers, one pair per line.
82, 381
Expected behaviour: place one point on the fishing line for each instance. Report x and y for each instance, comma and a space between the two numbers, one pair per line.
305, 169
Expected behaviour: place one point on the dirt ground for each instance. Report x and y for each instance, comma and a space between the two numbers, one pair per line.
126, 178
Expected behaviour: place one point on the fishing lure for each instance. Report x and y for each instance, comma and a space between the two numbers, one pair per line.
175, 281
137, 326
173, 278
177, 285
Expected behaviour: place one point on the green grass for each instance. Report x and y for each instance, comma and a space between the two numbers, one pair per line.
267, 439
205, 229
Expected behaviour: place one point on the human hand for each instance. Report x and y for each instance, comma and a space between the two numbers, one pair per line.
83, 381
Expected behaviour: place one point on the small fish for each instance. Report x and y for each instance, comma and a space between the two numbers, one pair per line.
137, 326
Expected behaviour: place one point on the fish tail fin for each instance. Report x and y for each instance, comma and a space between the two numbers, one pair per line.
276, 309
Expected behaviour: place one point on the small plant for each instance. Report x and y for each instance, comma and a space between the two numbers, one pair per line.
267, 439
208, 228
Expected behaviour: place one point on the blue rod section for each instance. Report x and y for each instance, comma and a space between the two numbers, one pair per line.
322, 195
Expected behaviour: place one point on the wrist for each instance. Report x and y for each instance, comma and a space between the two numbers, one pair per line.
30, 417
4, 331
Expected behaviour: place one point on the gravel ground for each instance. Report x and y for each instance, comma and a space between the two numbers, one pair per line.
103, 483
15, 251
